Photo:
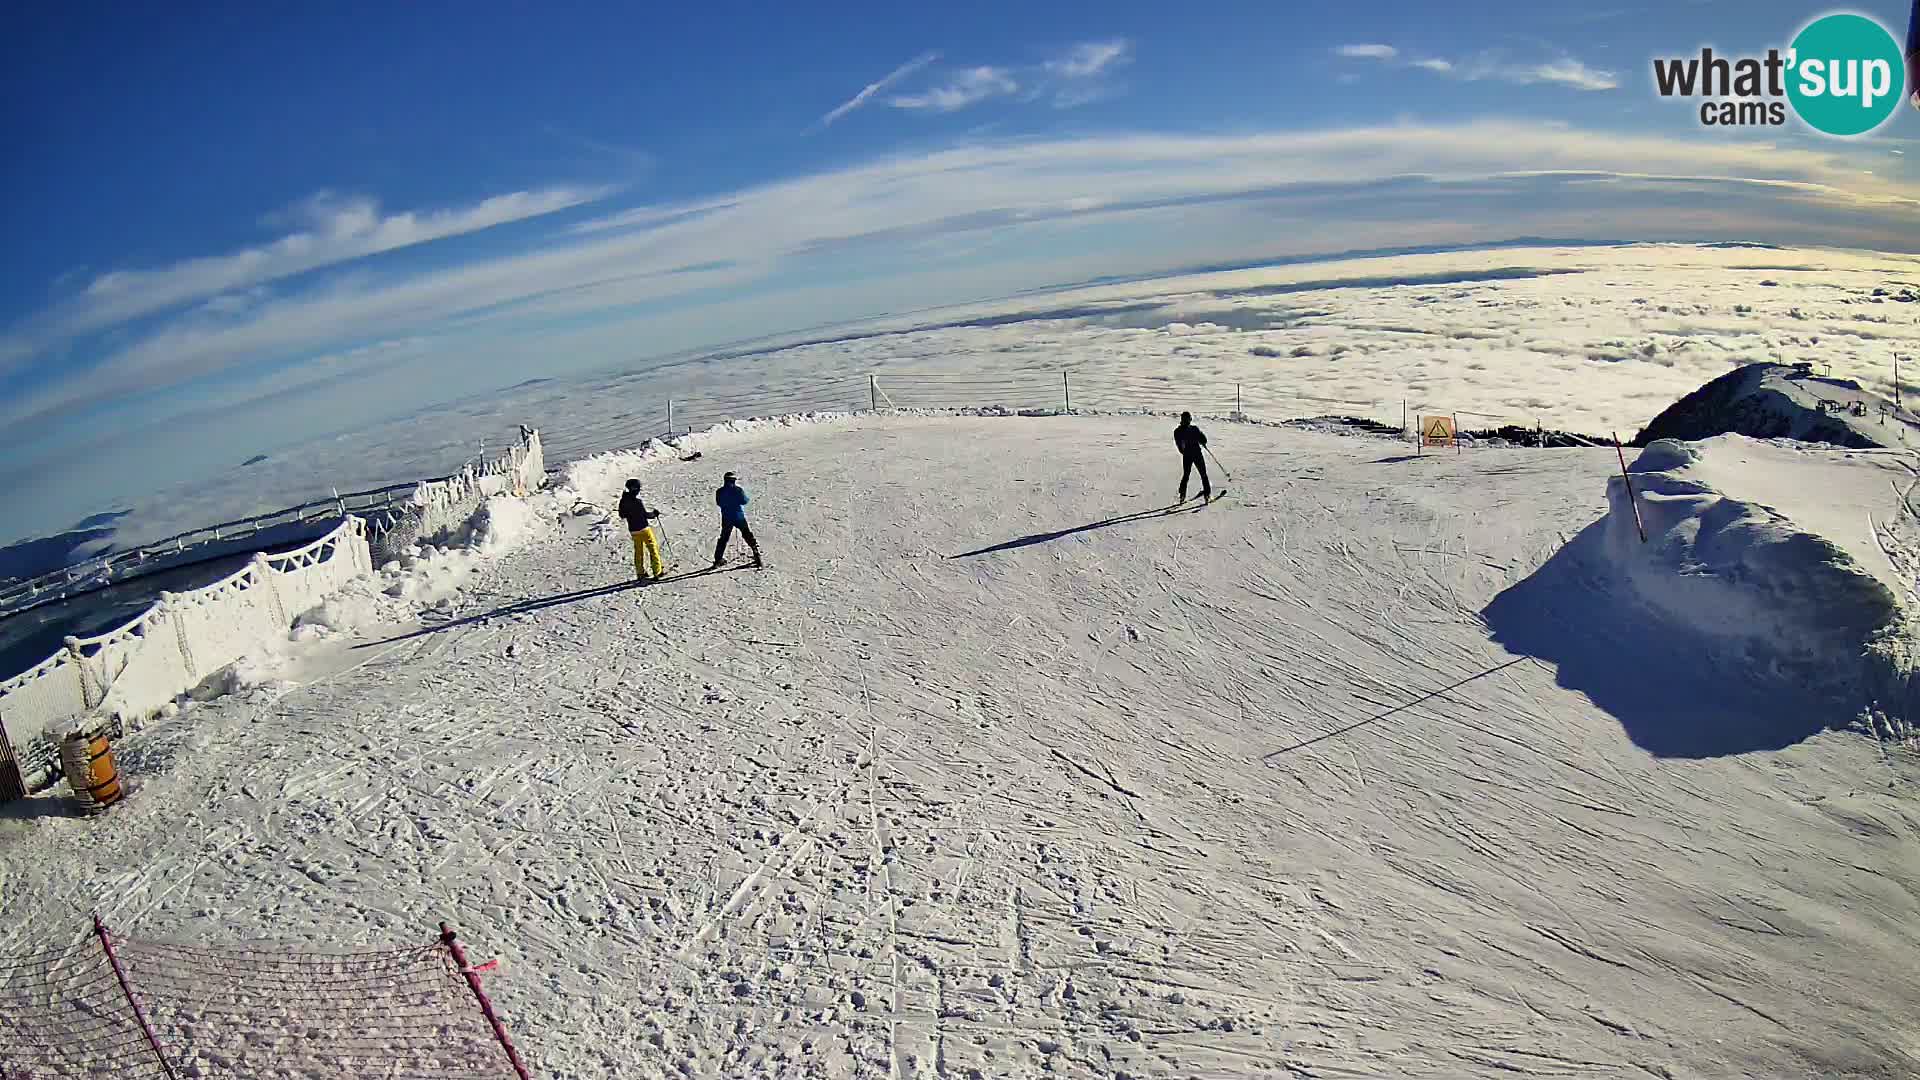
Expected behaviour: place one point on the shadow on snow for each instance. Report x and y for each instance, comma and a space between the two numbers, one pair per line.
541, 603
38, 807
1041, 538
1654, 678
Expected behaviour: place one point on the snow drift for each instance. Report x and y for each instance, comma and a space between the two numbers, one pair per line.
426, 577
1810, 599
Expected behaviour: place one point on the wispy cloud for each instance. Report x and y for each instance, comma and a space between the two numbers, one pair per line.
967, 87
1565, 71
689, 266
878, 86
329, 229
1088, 59
633, 158
1561, 70
1072, 97
1083, 74
1079, 75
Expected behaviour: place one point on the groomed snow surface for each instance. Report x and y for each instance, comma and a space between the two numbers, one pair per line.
998, 770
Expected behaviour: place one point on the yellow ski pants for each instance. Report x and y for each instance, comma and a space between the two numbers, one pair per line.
646, 545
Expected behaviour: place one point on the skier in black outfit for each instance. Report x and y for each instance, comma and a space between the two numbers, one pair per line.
1192, 443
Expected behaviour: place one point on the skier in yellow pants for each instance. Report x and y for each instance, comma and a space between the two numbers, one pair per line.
646, 541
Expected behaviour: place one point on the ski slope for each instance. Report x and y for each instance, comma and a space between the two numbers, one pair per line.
1242, 790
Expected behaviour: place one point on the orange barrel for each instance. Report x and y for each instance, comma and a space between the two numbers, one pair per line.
88, 762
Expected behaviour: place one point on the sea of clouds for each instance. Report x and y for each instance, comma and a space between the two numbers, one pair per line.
1595, 339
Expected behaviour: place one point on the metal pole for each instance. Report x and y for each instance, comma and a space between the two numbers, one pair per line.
1457, 448
1641, 525
486, 1007
873, 392
1239, 407
139, 1015
669, 417
1067, 390
1216, 461
13, 783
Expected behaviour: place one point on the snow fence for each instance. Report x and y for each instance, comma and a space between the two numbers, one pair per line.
1769, 594
398, 516
169, 648
439, 509
110, 1006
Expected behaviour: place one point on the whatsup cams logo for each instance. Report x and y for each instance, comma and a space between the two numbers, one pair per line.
1842, 75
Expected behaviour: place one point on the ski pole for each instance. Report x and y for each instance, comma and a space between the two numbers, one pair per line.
1223, 468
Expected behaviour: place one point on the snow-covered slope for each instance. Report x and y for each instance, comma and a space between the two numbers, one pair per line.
1001, 770
1769, 401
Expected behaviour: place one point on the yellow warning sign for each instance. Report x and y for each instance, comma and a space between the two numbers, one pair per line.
1437, 431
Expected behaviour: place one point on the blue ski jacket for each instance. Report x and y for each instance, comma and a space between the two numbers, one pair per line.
732, 502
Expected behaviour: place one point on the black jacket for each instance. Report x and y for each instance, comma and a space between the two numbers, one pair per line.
1189, 438
635, 512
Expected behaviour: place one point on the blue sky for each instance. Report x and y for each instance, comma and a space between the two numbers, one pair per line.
232, 228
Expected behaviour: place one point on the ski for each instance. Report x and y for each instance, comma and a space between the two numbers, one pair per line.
1192, 507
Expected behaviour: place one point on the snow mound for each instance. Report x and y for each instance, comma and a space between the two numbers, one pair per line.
427, 578
267, 668
504, 524
1770, 554
1773, 401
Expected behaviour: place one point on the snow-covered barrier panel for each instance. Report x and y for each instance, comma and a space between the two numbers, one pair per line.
399, 516
136, 669
1773, 554
439, 509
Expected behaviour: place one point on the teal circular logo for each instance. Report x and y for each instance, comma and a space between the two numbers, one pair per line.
1847, 74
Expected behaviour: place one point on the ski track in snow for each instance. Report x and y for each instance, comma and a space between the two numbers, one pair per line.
875, 812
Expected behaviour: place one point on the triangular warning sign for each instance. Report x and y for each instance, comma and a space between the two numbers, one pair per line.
1438, 431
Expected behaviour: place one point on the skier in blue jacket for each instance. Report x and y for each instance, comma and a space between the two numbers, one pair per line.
731, 498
